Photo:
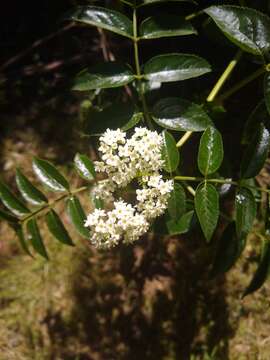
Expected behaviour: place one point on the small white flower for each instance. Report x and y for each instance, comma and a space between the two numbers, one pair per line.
123, 160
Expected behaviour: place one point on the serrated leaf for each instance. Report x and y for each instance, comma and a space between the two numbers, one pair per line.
169, 152
210, 154
257, 116
229, 249
77, 216
103, 76
165, 25
256, 153
245, 212
262, 271
267, 91
180, 115
118, 115
207, 208
181, 226
28, 191
175, 67
177, 202
49, 175
35, 238
245, 27
12, 202
104, 18
85, 167
57, 228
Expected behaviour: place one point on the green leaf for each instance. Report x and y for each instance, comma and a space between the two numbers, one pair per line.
210, 151
257, 116
181, 226
118, 115
256, 153
229, 249
180, 115
164, 26
77, 216
245, 27
134, 120
35, 238
22, 241
175, 67
102, 76
104, 18
12, 202
245, 212
85, 167
267, 91
262, 271
170, 153
207, 208
5, 216
57, 228
28, 191
177, 202
49, 175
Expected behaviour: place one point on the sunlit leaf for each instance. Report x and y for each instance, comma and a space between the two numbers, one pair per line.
175, 67
207, 208
245, 211
12, 202
77, 216
210, 154
245, 27
57, 228
262, 271
170, 153
256, 153
28, 191
102, 76
104, 18
49, 175
85, 167
165, 25
180, 115
35, 238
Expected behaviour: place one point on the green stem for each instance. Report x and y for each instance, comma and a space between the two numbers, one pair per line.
225, 75
193, 15
219, 181
52, 204
242, 83
213, 93
138, 70
184, 138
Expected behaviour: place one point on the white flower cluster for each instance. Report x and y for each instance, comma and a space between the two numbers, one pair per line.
124, 160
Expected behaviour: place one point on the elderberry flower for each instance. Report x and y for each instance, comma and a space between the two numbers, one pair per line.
123, 160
